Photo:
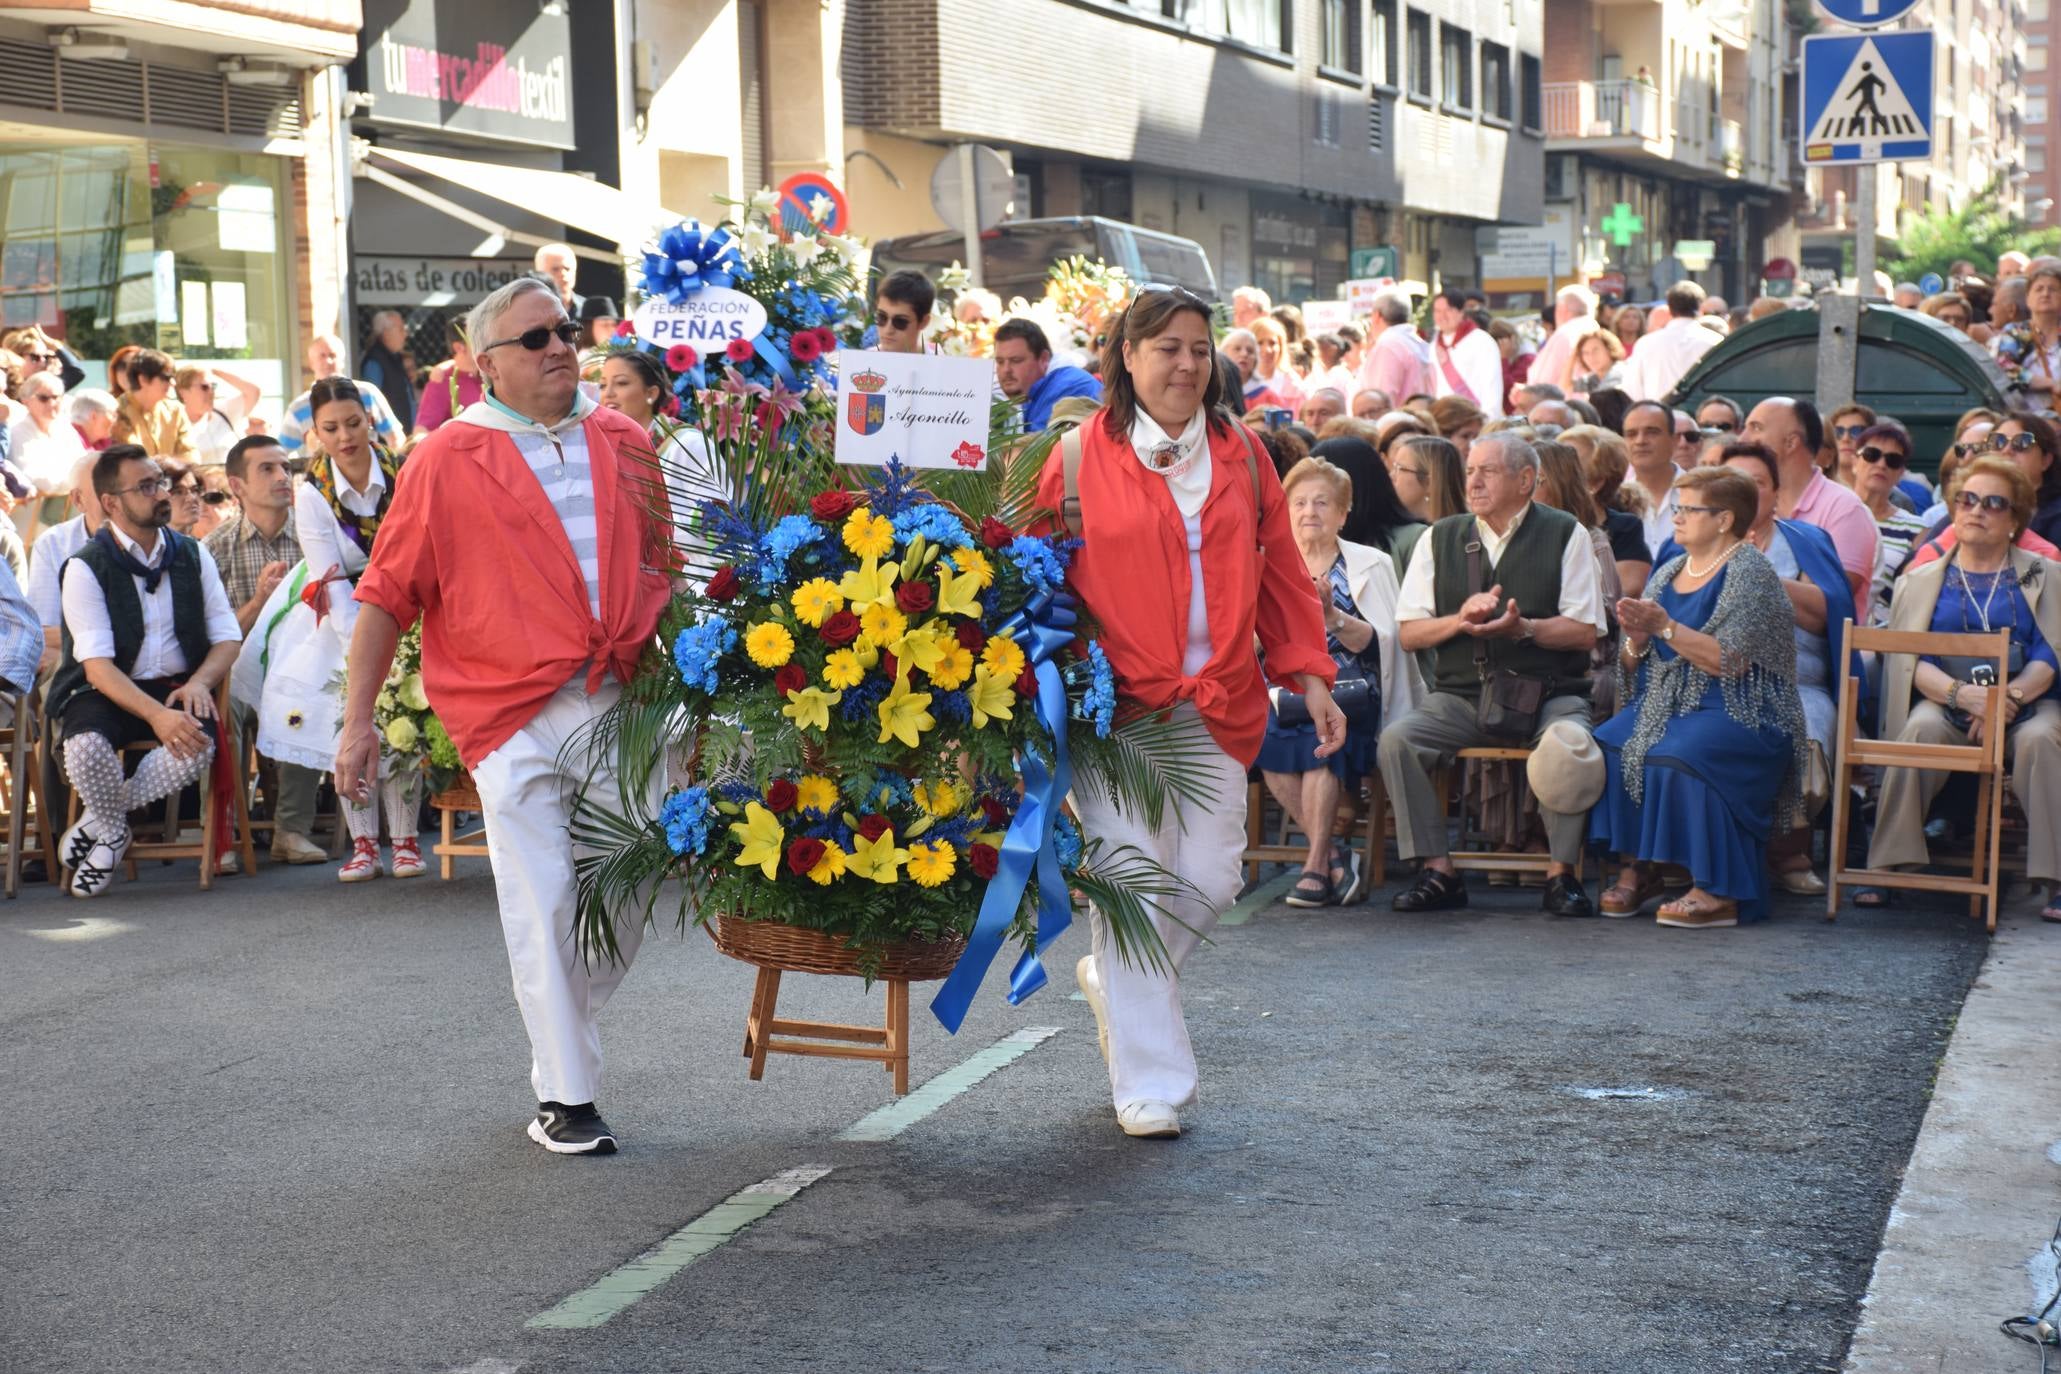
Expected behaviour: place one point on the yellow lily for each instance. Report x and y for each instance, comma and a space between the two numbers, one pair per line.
918, 648
809, 708
958, 593
869, 584
905, 715
877, 859
763, 839
992, 697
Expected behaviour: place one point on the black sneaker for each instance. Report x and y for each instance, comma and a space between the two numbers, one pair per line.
576, 1130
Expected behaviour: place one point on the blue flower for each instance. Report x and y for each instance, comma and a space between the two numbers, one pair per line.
699, 648
1040, 563
688, 818
886, 790
895, 489
934, 522
950, 707
1097, 703
737, 791
788, 535
1066, 839
860, 701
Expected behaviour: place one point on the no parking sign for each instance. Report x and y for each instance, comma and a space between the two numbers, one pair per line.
799, 192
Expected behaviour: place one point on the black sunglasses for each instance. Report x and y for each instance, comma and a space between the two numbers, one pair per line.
1970, 500
1872, 454
538, 339
215, 498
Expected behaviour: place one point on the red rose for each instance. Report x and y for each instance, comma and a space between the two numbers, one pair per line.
740, 351
1027, 682
994, 810
682, 358
803, 855
792, 677
834, 504
913, 597
826, 338
983, 859
839, 629
625, 328
874, 826
972, 638
890, 666
723, 586
805, 346
995, 534
780, 796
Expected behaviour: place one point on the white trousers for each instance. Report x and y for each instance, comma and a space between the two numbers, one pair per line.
1150, 1059
527, 799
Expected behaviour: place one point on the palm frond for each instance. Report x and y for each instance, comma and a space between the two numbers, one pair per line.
1145, 763
1017, 500
1128, 888
618, 868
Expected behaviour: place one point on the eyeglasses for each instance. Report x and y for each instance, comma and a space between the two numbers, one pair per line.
1962, 450
1953, 321
1417, 473
149, 486
1848, 431
1994, 504
538, 339
215, 498
1997, 443
1681, 511
1720, 427
888, 320
1872, 454
39, 357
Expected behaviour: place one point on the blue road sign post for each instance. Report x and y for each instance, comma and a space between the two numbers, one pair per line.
1867, 97
1865, 14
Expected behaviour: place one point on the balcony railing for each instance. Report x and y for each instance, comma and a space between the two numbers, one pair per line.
1602, 109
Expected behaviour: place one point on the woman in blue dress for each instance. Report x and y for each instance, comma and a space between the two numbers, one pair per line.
1706, 760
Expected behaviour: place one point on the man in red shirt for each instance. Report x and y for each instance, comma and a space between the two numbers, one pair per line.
516, 537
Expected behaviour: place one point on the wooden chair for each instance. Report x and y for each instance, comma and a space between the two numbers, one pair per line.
1985, 760
1488, 860
460, 796
1373, 826
210, 846
28, 818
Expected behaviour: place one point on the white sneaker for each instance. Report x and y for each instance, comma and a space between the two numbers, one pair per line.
95, 873
1150, 1120
73, 845
1091, 988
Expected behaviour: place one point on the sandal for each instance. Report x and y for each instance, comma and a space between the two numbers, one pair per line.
1348, 879
1312, 889
1620, 900
1698, 912
1872, 898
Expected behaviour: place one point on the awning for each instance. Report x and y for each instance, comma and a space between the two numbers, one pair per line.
578, 202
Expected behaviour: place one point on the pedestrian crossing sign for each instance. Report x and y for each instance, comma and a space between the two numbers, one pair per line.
1867, 97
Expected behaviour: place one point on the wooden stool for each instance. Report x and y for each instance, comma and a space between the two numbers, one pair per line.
1489, 860
1373, 804
28, 818
461, 795
887, 1044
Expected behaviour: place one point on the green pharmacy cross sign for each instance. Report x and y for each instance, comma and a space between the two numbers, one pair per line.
1622, 225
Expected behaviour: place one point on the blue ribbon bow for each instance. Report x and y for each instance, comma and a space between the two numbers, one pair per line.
1043, 628
689, 257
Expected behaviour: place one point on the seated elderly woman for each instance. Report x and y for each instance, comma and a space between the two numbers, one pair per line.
1706, 762
1357, 585
1982, 586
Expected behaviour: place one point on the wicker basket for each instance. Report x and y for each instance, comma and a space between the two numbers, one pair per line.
461, 795
773, 944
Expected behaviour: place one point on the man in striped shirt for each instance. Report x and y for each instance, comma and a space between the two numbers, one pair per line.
325, 358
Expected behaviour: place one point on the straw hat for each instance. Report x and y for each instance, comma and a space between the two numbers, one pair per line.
1566, 769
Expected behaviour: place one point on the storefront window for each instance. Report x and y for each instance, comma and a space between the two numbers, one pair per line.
178, 248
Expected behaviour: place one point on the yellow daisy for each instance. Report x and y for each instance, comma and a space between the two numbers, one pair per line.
809, 708
816, 600
876, 859
905, 715
954, 666
992, 696
815, 793
769, 644
974, 564
1003, 656
882, 626
830, 866
939, 798
931, 864
869, 535
843, 669
763, 839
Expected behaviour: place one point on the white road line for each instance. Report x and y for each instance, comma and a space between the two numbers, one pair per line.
885, 1123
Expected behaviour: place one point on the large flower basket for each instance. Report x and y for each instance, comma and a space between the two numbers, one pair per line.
775, 947
461, 795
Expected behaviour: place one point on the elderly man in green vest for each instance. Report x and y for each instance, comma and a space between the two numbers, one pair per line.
1506, 594
148, 635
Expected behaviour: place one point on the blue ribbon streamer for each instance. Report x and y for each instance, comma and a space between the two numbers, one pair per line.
1042, 628
772, 358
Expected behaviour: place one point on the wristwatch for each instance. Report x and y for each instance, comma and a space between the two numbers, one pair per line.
2017, 694
1525, 630
1667, 633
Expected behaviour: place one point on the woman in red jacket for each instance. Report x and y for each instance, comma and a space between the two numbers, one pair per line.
1186, 555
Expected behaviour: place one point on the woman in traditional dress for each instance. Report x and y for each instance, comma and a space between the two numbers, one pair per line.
1706, 762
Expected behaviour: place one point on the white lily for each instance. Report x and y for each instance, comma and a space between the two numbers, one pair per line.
764, 202
806, 249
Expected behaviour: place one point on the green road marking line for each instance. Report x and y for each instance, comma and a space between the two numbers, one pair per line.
885, 1123
618, 1289
1266, 894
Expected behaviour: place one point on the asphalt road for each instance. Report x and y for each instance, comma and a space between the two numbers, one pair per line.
280, 1129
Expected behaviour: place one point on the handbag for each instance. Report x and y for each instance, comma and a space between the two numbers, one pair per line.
1962, 667
1509, 704
1356, 698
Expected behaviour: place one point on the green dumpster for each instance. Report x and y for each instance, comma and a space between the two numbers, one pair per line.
1898, 363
